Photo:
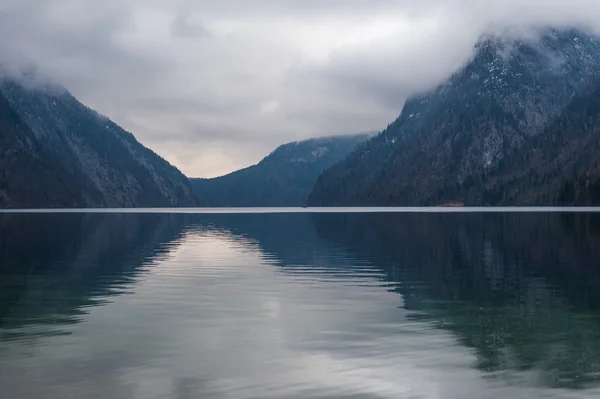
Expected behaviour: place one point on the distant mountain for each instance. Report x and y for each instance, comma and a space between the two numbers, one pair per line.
284, 178
447, 144
56, 152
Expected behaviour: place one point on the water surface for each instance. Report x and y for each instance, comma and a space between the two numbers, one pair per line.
297, 305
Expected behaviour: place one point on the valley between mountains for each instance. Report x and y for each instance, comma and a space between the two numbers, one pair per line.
518, 124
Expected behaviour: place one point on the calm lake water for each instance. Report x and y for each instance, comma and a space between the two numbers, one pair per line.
300, 305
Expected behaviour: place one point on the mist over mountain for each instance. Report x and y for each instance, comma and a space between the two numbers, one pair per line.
59, 153
516, 125
453, 144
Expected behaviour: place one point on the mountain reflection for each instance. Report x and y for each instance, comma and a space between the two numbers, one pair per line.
55, 266
519, 291
522, 289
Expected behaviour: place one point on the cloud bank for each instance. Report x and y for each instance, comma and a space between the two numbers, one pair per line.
214, 86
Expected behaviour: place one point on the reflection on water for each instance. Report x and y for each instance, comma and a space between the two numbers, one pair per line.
457, 305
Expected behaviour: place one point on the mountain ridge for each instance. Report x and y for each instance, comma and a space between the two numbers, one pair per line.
283, 178
446, 141
101, 164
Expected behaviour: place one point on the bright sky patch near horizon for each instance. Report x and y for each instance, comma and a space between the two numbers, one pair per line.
214, 86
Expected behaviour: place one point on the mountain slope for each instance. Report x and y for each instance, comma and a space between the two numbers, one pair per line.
284, 178
560, 166
28, 177
103, 165
447, 142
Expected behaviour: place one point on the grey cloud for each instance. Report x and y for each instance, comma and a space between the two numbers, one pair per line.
388, 76
214, 85
75, 46
389, 73
294, 8
183, 27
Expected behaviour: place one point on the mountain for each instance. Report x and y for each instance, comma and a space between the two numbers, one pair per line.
28, 176
447, 143
59, 153
560, 166
284, 178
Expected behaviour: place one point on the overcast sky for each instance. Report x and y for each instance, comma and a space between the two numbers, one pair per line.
214, 85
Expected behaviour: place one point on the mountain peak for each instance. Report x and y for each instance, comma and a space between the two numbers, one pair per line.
461, 130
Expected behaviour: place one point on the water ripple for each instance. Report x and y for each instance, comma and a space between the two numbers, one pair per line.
295, 306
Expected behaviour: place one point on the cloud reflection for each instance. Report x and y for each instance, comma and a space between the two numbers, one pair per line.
347, 307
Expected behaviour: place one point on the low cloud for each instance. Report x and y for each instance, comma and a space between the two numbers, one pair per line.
214, 86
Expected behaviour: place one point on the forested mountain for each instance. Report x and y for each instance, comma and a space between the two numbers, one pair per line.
284, 178
56, 152
454, 143
560, 166
28, 176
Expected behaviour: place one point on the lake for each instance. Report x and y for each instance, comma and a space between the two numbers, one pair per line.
379, 304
